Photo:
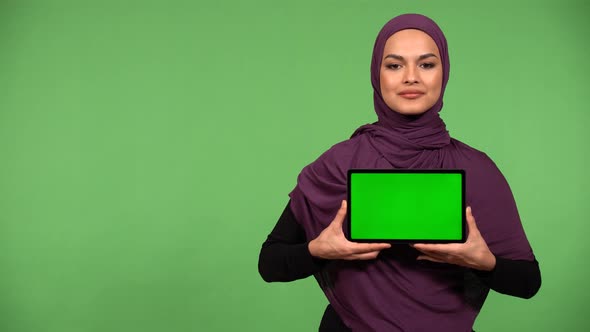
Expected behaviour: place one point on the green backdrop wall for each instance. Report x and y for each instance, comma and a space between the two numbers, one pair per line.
147, 149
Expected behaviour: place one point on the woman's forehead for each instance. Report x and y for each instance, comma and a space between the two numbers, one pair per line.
410, 42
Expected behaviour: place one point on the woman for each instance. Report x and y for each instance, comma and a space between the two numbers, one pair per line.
424, 287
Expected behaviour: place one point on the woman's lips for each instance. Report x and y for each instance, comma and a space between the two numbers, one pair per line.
411, 95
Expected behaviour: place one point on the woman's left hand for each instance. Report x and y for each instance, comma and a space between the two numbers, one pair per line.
474, 253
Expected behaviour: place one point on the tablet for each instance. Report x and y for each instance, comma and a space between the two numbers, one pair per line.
406, 206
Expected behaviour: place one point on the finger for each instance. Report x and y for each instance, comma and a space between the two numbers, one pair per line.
339, 219
438, 249
471, 225
429, 258
359, 248
431, 247
365, 256
431, 253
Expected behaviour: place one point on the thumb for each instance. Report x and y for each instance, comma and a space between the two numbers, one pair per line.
471, 226
339, 219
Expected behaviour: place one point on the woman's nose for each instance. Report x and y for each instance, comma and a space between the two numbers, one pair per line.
410, 75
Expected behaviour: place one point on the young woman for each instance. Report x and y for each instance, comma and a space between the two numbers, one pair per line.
424, 287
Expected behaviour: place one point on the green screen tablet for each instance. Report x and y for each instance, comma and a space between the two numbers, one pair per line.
406, 206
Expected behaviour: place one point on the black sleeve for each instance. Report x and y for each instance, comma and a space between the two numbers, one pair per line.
518, 278
285, 255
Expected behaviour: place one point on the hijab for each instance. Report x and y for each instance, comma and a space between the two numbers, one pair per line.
394, 291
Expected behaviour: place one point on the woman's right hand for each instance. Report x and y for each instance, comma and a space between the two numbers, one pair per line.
332, 244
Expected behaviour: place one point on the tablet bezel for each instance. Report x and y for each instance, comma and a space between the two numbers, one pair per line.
350, 205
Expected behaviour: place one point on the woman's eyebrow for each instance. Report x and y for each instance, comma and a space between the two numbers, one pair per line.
401, 58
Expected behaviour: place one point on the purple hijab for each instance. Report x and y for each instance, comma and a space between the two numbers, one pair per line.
395, 292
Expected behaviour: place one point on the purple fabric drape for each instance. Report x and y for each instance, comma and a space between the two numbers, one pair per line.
395, 292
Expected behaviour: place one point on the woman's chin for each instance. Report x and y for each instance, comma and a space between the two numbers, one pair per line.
411, 112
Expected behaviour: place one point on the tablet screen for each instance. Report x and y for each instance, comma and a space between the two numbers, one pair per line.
406, 205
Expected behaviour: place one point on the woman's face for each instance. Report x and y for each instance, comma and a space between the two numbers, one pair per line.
411, 72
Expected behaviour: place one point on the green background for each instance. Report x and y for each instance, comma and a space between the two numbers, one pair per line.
405, 206
147, 149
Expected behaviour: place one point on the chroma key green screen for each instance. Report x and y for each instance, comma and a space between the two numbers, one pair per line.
406, 205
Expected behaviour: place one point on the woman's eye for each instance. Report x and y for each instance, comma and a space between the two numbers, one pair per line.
394, 66
427, 65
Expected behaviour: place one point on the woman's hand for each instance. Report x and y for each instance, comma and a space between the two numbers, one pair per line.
474, 253
332, 244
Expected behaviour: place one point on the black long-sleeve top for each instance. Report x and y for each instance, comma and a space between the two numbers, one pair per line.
285, 257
